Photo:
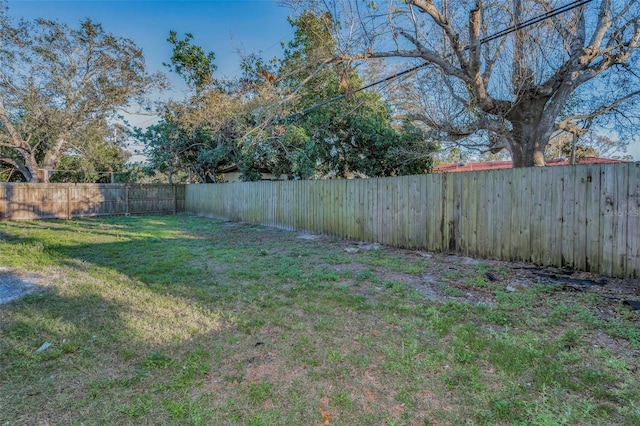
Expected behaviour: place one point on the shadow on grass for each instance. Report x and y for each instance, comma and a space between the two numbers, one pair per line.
146, 316
119, 314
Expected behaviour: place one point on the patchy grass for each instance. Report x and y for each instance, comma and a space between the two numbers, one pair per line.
185, 320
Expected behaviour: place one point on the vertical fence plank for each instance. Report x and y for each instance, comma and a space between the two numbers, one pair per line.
580, 219
429, 203
481, 211
551, 181
330, 208
570, 217
399, 215
505, 212
447, 212
317, 203
519, 221
608, 220
421, 220
4, 202
360, 190
291, 219
414, 227
621, 219
372, 220
496, 217
465, 212
437, 211
308, 205
456, 227
344, 218
471, 215
633, 225
382, 210
301, 202
337, 207
495, 221
304, 204
536, 212
593, 214
394, 213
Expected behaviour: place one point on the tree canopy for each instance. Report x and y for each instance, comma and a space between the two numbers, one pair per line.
60, 90
248, 123
509, 92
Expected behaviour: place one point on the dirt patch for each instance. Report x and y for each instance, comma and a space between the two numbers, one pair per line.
444, 273
13, 286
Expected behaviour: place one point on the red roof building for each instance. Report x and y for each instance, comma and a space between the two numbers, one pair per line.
497, 165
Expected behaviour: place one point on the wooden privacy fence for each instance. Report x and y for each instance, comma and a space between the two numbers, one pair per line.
585, 217
24, 201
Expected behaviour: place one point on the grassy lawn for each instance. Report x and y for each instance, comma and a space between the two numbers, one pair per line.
185, 320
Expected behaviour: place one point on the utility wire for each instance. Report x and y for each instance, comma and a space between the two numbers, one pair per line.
516, 27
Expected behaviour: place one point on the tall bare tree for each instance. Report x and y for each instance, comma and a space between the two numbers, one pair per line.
55, 83
513, 91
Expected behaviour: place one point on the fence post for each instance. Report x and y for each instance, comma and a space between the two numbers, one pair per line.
68, 201
126, 200
175, 199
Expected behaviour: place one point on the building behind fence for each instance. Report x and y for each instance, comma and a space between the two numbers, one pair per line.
24, 201
583, 217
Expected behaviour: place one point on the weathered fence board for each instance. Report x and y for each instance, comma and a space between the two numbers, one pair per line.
584, 217
633, 217
24, 201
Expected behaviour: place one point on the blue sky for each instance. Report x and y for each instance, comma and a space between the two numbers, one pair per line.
218, 26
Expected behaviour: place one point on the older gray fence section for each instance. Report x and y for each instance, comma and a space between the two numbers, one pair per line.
26, 201
584, 217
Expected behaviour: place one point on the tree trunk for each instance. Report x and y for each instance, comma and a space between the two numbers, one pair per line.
574, 142
33, 173
30, 169
527, 154
170, 174
530, 132
54, 155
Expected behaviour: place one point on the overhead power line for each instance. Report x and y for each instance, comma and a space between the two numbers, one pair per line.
518, 26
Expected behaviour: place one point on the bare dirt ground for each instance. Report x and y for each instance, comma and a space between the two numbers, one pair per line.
517, 276
450, 271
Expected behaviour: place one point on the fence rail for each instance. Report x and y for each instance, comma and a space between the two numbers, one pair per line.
24, 201
585, 217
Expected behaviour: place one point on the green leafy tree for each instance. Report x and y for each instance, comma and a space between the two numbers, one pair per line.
221, 125
56, 82
354, 136
99, 157
237, 123
191, 62
163, 145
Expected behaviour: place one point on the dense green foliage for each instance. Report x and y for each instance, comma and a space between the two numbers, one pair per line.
239, 125
60, 88
355, 135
